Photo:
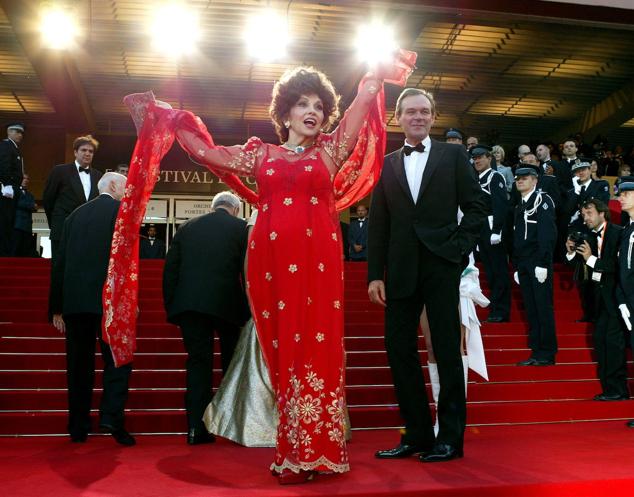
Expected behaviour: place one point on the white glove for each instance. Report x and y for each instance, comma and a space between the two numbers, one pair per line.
496, 238
541, 273
576, 185
625, 314
516, 277
7, 191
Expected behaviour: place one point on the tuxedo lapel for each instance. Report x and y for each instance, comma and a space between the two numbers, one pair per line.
75, 183
399, 171
433, 161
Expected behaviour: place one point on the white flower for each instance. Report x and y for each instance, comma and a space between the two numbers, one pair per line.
309, 301
288, 201
270, 172
273, 235
313, 200
335, 435
320, 337
265, 207
309, 409
309, 232
292, 268
266, 314
275, 344
308, 168
252, 244
337, 304
334, 236
298, 337
201, 152
268, 276
321, 267
281, 305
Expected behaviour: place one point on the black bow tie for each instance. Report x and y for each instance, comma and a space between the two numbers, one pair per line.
84, 170
407, 150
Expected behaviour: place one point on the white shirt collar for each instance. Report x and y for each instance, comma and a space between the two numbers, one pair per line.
587, 182
601, 228
528, 195
426, 142
78, 166
483, 173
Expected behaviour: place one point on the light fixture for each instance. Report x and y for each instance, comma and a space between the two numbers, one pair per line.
375, 43
58, 29
175, 30
266, 36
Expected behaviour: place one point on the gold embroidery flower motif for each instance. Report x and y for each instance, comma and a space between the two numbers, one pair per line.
281, 305
321, 267
275, 343
265, 207
201, 152
298, 337
268, 276
335, 435
337, 304
292, 268
309, 300
266, 314
320, 337
314, 201
309, 232
288, 201
273, 235
308, 168
252, 244
334, 236
309, 408
270, 172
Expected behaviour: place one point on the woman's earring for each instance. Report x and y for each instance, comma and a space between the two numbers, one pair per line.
287, 124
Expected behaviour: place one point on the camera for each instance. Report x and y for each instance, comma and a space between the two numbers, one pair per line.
578, 237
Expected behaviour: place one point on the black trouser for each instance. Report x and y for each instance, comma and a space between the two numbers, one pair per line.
437, 290
538, 304
81, 332
496, 268
588, 300
609, 346
7, 221
23, 244
198, 336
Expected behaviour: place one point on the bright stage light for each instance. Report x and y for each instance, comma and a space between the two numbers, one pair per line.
58, 29
376, 43
175, 30
266, 36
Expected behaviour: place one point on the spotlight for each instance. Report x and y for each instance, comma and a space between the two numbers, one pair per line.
266, 36
58, 29
175, 30
376, 43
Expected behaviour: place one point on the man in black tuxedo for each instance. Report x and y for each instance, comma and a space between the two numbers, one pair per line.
151, 247
416, 251
585, 188
70, 185
203, 292
569, 151
78, 276
358, 235
553, 168
601, 259
11, 171
490, 247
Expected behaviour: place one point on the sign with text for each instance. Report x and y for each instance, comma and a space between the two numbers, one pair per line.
187, 209
156, 209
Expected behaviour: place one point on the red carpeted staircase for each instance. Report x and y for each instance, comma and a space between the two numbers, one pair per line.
32, 362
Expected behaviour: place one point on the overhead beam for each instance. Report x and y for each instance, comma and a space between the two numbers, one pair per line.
56, 71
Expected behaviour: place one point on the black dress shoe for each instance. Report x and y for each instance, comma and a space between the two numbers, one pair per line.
78, 438
441, 453
120, 435
497, 319
544, 362
630, 423
607, 398
400, 451
197, 437
528, 362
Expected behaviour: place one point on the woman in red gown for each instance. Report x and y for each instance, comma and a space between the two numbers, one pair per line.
295, 271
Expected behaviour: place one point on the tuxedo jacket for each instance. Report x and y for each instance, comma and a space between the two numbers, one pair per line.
63, 193
562, 173
607, 266
204, 268
79, 271
399, 223
358, 235
10, 164
149, 251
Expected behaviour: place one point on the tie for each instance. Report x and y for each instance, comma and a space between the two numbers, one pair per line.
583, 190
84, 170
407, 150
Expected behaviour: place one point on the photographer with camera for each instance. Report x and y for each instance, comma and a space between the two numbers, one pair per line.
598, 251
534, 239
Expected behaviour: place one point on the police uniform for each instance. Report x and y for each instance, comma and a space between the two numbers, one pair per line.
535, 234
11, 171
493, 256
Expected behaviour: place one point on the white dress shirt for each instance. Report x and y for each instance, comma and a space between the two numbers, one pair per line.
85, 180
415, 167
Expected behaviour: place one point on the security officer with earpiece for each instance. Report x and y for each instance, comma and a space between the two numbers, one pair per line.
535, 234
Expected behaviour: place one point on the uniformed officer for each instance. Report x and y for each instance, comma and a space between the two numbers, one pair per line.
584, 189
625, 288
534, 239
453, 135
11, 171
491, 249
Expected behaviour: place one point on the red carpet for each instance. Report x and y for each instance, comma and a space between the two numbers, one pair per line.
590, 459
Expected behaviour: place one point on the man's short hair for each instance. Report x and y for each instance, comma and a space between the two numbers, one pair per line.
523, 149
108, 178
225, 199
85, 140
408, 92
600, 206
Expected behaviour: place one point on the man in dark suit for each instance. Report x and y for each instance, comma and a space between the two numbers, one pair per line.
585, 188
416, 250
535, 234
78, 276
11, 171
203, 292
151, 247
553, 168
70, 185
601, 259
625, 287
490, 247
23, 243
358, 235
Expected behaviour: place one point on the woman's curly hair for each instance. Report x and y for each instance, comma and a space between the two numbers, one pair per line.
291, 86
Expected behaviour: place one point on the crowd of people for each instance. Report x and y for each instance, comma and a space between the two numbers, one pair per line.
436, 207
